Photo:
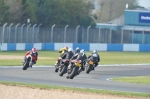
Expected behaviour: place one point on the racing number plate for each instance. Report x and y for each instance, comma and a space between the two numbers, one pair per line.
91, 62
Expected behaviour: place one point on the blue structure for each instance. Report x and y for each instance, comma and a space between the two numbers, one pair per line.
137, 17
87, 47
131, 18
135, 21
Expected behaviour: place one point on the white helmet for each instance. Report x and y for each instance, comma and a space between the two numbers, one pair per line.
70, 49
94, 51
77, 48
82, 51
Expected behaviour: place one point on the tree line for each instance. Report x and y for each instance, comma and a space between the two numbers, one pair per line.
60, 12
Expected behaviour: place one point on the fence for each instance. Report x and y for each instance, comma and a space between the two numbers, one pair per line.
21, 33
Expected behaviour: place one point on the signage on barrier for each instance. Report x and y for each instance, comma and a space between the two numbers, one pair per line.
144, 17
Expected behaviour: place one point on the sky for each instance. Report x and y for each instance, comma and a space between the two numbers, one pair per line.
144, 3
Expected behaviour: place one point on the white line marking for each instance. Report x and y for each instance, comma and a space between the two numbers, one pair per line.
146, 64
109, 79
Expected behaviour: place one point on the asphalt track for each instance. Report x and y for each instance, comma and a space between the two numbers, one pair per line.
98, 79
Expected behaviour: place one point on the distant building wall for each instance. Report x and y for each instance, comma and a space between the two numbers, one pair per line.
137, 17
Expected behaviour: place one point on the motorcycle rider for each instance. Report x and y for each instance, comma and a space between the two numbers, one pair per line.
63, 51
81, 56
68, 55
95, 56
34, 55
77, 50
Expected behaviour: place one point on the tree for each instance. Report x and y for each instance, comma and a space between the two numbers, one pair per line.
49, 12
15, 7
4, 13
29, 10
63, 12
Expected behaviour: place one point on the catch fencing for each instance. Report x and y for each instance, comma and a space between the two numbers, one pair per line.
36, 33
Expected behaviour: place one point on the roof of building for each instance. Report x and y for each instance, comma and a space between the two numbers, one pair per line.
137, 28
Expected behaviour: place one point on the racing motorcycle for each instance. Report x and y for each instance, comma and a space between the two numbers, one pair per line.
73, 68
90, 65
28, 62
63, 67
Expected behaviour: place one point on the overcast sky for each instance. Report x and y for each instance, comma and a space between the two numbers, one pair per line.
144, 3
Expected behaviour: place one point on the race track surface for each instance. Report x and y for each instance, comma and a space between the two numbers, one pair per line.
98, 79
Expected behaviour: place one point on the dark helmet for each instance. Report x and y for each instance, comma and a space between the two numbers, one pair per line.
77, 50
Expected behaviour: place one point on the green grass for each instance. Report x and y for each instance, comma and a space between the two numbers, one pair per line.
82, 90
138, 79
106, 57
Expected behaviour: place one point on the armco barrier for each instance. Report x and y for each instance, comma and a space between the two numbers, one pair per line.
86, 46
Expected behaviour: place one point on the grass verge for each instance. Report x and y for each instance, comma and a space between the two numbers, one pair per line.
47, 87
106, 57
138, 79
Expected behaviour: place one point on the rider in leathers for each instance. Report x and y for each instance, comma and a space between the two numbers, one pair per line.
95, 57
67, 55
77, 50
81, 56
34, 55
63, 51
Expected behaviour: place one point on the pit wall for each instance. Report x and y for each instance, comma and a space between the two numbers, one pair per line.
86, 46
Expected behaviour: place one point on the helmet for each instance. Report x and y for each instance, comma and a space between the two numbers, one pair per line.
66, 48
70, 49
77, 48
33, 50
82, 51
94, 51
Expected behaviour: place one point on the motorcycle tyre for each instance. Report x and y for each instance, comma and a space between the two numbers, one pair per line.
63, 71
25, 65
74, 72
89, 68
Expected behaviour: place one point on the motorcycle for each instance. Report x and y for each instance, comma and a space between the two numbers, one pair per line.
89, 66
73, 69
63, 67
57, 64
28, 62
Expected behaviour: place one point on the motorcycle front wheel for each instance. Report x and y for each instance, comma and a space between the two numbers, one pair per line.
25, 65
89, 68
56, 69
74, 72
63, 71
